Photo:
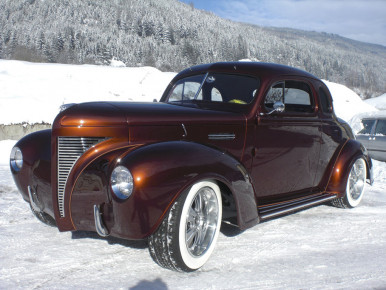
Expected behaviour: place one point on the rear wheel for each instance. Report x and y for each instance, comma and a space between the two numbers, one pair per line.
188, 234
355, 186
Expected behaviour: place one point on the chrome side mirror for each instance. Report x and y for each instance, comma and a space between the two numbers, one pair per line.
278, 107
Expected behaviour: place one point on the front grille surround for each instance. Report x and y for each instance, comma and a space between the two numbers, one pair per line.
70, 149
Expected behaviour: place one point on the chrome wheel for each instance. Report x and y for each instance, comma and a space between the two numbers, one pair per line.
187, 236
356, 182
201, 221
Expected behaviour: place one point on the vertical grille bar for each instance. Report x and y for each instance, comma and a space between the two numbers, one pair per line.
69, 151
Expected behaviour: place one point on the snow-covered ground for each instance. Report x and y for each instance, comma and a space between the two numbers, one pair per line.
322, 247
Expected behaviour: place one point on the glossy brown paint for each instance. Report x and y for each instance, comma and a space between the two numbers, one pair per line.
36, 171
340, 172
289, 147
158, 182
271, 160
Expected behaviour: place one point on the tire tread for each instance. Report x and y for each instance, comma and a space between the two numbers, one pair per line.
339, 202
163, 244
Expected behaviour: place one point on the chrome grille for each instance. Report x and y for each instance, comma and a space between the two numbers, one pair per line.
69, 151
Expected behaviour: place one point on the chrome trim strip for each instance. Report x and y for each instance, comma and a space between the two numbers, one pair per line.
222, 136
99, 226
70, 149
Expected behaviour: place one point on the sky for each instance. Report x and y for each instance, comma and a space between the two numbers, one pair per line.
363, 20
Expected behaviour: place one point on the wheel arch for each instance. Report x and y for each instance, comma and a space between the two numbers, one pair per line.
351, 151
163, 171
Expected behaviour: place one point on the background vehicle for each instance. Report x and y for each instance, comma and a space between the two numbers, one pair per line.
373, 137
242, 142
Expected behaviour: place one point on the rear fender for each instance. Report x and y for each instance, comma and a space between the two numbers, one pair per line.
340, 172
162, 171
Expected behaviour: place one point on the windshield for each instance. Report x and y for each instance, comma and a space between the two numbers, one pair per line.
214, 87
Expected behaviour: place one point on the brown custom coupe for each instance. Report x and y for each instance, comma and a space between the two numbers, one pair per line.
238, 142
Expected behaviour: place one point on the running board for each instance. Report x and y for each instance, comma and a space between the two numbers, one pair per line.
270, 211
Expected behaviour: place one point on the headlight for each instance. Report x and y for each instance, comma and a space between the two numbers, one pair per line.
16, 159
122, 182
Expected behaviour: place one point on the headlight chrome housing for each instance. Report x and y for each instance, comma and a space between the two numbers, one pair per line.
122, 182
16, 159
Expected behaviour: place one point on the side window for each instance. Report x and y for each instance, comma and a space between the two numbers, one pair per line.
367, 126
275, 94
184, 91
380, 129
295, 95
325, 101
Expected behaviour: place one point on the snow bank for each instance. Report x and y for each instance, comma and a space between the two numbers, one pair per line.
346, 102
378, 102
33, 92
5, 151
117, 63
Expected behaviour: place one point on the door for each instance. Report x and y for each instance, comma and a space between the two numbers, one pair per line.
287, 144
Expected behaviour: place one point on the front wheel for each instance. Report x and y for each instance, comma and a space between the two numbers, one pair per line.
188, 234
355, 186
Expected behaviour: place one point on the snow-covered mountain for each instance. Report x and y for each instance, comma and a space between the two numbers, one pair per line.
171, 35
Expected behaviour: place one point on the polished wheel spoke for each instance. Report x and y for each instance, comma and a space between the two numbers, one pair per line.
190, 237
192, 215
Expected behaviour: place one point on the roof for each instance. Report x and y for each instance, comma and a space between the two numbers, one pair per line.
250, 68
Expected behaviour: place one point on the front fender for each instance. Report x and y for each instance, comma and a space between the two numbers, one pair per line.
340, 172
36, 170
162, 171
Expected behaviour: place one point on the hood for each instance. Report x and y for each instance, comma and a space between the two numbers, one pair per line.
105, 114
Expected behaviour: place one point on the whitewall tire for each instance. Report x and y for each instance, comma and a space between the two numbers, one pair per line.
186, 238
355, 186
